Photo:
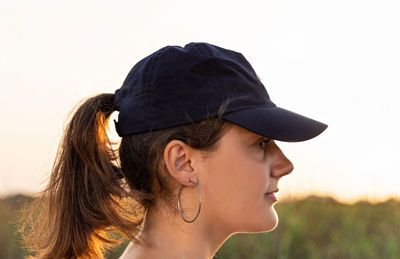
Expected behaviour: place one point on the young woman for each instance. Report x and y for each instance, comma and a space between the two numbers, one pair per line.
197, 161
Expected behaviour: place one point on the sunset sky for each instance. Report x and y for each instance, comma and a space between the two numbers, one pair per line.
334, 61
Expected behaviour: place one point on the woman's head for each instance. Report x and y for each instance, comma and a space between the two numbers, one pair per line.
194, 113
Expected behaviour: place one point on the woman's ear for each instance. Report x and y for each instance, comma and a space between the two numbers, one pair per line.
180, 160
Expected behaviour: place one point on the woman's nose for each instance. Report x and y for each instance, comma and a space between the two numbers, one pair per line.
282, 165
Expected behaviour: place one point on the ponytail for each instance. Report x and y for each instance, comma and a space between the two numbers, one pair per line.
84, 199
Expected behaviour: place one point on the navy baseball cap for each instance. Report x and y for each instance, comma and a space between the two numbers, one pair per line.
181, 85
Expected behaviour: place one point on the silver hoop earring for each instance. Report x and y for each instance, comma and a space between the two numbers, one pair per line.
179, 203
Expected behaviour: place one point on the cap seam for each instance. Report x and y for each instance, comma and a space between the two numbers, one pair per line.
249, 108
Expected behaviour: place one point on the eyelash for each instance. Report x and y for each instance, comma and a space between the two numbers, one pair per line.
265, 141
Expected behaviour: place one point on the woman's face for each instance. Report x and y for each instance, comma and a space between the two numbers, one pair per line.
236, 177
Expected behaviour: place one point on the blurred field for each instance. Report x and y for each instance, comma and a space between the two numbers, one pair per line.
312, 228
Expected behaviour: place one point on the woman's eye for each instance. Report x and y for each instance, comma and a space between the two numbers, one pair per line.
263, 144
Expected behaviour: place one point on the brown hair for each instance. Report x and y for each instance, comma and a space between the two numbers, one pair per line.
95, 190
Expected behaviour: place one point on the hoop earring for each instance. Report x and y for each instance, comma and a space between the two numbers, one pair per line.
179, 203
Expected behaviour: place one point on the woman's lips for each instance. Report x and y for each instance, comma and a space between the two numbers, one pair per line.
271, 196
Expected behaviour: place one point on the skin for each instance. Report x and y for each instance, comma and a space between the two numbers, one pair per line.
232, 182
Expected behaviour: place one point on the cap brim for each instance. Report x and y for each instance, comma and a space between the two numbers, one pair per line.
277, 123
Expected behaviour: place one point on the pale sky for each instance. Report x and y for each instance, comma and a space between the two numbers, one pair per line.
334, 61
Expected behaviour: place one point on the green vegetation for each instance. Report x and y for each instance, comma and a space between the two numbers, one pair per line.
311, 228
9, 246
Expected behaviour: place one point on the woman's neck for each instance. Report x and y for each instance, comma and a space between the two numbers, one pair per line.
169, 236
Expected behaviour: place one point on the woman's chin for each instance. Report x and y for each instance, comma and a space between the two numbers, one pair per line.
272, 220
268, 223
